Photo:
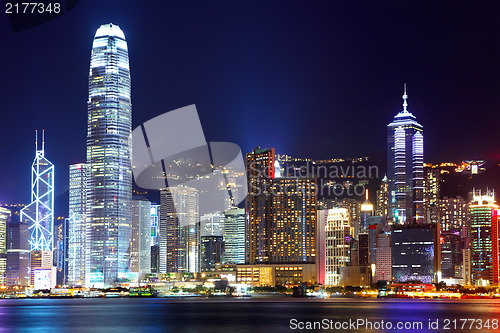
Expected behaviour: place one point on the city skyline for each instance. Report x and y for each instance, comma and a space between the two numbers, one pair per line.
244, 105
303, 182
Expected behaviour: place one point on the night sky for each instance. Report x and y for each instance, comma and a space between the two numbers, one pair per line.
312, 79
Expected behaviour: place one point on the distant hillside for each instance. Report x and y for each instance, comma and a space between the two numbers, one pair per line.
454, 185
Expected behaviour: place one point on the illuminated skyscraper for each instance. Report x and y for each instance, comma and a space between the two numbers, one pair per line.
281, 213
484, 233
109, 188
405, 169
179, 230
78, 174
39, 214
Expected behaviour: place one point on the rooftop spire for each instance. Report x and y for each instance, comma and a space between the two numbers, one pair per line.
405, 97
43, 141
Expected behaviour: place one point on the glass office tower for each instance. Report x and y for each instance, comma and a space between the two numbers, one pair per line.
405, 167
78, 176
109, 195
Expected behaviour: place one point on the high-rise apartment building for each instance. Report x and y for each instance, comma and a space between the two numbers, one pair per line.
281, 214
109, 188
77, 223
432, 187
260, 172
140, 242
484, 234
179, 230
405, 170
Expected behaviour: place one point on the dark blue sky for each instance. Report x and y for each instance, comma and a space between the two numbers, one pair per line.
312, 79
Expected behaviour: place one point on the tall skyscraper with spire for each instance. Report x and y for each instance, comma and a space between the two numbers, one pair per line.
405, 169
39, 214
109, 188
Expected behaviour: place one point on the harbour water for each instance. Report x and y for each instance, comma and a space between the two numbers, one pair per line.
246, 315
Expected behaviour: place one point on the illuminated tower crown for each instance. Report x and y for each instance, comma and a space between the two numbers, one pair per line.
405, 169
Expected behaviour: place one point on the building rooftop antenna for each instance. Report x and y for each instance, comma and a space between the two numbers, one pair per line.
405, 97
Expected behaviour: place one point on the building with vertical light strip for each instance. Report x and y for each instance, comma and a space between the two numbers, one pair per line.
484, 234
155, 219
78, 175
39, 214
293, 221
109, 188
260, 172
155, 238
405, 169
